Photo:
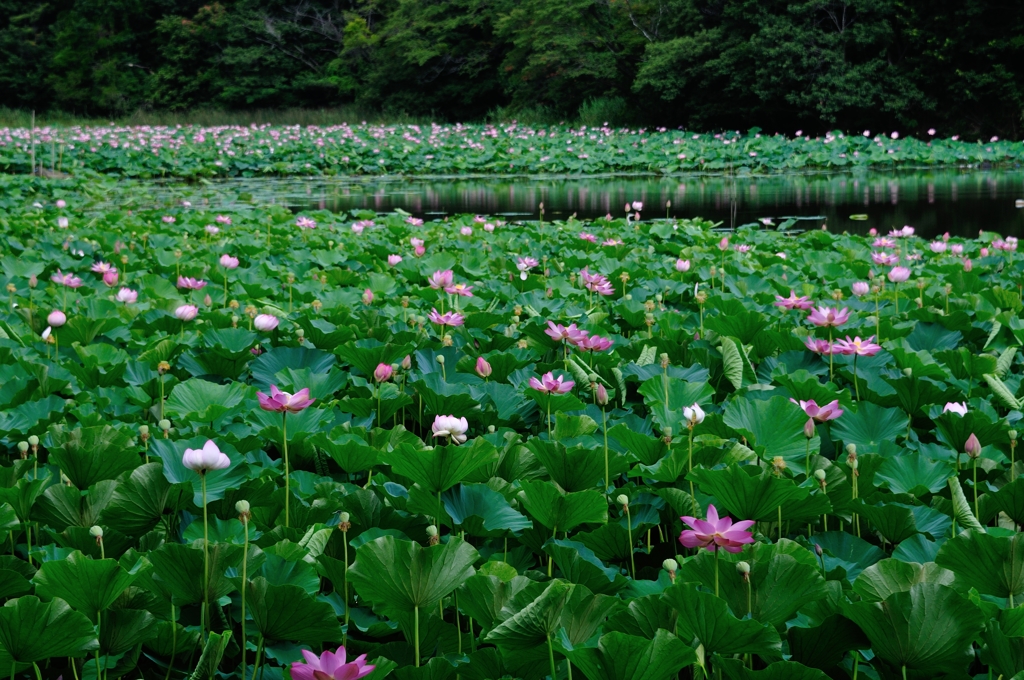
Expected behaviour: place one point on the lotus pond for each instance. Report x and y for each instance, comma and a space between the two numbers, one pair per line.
476, 448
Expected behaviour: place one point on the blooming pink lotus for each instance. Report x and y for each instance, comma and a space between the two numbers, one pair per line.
305, 223
265, 322
330, 666
856, 346
829, 316
451, 428
393, 260
283, 402
860, 288
821, 414
959, 408
594, 343
127, 296
793, 301
884, 242
228, 262
441, 279
414, 221
714, 533
103, 267
446, 319
110, 278
899, 274
682, 265
460, 289
205, 459
190, 283
823, 347
560, 333
885, 259
367, 297
587, 236
524, 264
69, 280
223, 219
549, 384
186, 312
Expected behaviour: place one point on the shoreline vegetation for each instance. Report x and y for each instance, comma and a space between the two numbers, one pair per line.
512, 148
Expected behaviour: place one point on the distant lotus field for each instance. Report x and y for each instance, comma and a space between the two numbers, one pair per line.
511, 148
266, 445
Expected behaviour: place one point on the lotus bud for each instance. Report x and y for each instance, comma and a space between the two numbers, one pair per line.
23, 449
406, 363
818, 551
908, 372
809, 428
602, 395
671, 566
234, 320
972, 447
483, 368
668, 431
33, 281
33, 440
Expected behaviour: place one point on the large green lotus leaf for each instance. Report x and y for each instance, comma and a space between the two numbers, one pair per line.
869, 426
826, 641
123, 629
482, 596
745, 492
706, 620
92, 454
1010, 499
88, 585
640, 447
8, 519
894, 521
643, 617
441, 397
783, 578
28, 416
669, 413
954, 430
203, 401
918, 549
610, 542
573, 427
584, 613
23, 495
179, 569
734, 669
276, 359
579, 565
529, 628
889, 576
574, 469
217, 481
398, 576
349, 451
482, 511
62, 506
562, 511
287, 612
1002, 652
139, 502
927, 629
842, 549
13, 584
367, 353
31, 631
442, 467
437, 668
914, 474
773, 427
994, 565
626, 657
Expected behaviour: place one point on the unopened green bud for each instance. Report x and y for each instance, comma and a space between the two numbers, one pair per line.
33, 440
96, 531
743, 567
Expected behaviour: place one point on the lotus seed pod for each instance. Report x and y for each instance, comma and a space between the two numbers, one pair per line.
819, 475
23, 446
670, 565
242, 507
851, 449
668, 431
164, 424
1013, 435
743, 567
440, 359
344, 517
490, 429
622, 499
908, 372
33, 440
431, 531
143, 429
96, 531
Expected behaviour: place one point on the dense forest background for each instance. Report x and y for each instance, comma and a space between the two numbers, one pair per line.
953, 65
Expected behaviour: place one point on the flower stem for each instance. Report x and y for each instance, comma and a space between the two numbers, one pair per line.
629, 531
856, 386
551, 658
287, 481
604, 428
344, 543
206, 556
416, 633
716, 571
245, 583
976, 513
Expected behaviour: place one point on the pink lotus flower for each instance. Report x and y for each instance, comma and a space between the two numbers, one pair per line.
103, 267
168, 219
828, 316
56, 318
483, 368
959, 408
418, 251
957, 249
611, 242
330, 666
587, 236
450, 427
466, 231
223, 219
367, 297
899, 274
682, 265
714, 533
205, 459
211, 229
860, 288
357, 229
283, 402
265, 323
967, 265
61, 203
793, 302
743, 248
829, 411
415, 242
559, 333
441, 279
228, 262
186, 312
884, 259
414, 221
937, 246
594, 343
884, 242
460, 289
127, 296
972, 447
548, 384
524, 264
724, 243
393, 260
69, 280
305, 223
862, 348
190, 283
638, 205
383, 372
446, 319
110, 278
